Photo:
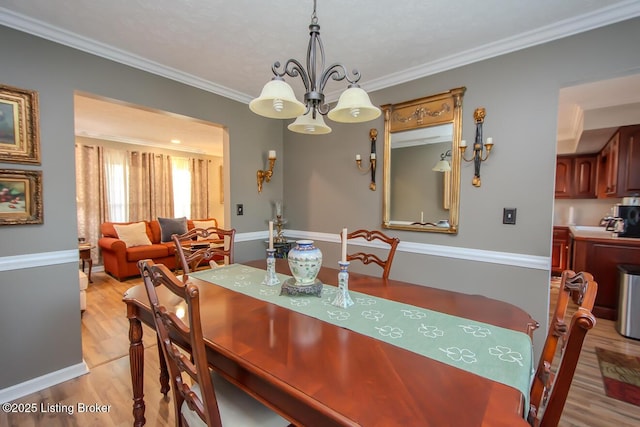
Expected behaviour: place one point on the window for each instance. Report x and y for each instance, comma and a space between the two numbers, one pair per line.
117, 182
181, 187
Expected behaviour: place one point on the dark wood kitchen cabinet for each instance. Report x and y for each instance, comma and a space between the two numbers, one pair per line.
576, 177
563, 177
559, 250
619, 164
601, 258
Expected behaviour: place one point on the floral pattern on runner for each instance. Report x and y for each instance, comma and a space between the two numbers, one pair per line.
496, 353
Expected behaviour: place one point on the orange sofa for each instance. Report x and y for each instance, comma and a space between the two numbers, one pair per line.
122, 262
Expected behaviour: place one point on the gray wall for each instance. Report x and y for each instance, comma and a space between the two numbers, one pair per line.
39, 307
315, 176
520, 94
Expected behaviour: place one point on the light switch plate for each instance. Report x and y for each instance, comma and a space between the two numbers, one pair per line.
509, 215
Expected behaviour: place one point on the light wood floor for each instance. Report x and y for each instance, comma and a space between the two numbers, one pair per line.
105, 346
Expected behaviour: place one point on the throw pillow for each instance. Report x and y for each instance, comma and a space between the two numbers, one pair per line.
171, 226
205, 225
134, 234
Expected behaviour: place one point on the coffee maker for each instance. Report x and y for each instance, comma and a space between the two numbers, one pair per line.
627, 218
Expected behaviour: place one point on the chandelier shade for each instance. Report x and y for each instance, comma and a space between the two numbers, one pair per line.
354, 106
307, 124
442, 166
277, 99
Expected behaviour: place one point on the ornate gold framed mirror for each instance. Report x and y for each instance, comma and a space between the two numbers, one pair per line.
421, 170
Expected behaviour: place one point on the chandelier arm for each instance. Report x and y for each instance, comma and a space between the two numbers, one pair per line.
292, 68
338, 72
313, 67
322, 109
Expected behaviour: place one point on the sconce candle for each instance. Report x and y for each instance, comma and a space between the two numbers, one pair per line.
265, 175
343, 258
373, 135
480, 151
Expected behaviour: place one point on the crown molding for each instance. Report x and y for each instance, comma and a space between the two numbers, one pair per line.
588, 21
609, 15
67, 38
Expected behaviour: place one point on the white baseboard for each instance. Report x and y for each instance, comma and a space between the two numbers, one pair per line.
34, 385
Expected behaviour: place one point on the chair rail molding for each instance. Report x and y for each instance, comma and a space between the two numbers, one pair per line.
18, 262
495, 257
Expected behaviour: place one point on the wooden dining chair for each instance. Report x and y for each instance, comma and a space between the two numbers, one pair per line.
368, 258
201, 397
551, 381
211, 245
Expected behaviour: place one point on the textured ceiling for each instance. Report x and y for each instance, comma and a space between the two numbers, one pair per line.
227, 47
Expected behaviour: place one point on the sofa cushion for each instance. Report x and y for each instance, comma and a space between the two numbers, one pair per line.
134, 234
205, 224
171, 226
145, 252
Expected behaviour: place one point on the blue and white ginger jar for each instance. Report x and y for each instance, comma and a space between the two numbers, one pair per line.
305, 261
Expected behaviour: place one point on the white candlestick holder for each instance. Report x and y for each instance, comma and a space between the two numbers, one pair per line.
343, 299
270, 278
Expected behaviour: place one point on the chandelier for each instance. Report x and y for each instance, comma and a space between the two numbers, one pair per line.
277, 99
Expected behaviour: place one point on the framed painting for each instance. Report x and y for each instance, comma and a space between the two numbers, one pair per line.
19, 132
20, 197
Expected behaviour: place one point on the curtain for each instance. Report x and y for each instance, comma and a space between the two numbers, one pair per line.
160, 187
127, 186
199, 171
90, 194
149, 191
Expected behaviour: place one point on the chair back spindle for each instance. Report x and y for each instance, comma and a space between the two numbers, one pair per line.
551, 382
209, 245
368, 258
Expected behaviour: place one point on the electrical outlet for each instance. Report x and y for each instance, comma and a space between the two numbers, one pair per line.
239, 209
509, 216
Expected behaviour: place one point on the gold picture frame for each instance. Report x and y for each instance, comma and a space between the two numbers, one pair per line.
19, 128
20, 197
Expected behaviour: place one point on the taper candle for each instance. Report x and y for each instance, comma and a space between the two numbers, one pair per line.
270, 235
344, 245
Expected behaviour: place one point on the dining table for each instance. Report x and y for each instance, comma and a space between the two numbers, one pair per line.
303, 358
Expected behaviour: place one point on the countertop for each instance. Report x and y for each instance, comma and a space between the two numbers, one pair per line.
598, 233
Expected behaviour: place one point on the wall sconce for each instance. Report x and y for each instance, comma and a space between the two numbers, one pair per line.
480, 151
266, 174
373, 136
443, 164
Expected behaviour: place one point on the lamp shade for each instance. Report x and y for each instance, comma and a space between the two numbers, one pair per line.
354, 106
307, 124
442, 166
277, 101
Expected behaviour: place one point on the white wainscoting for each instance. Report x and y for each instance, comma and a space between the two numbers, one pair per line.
17, 262
479, 255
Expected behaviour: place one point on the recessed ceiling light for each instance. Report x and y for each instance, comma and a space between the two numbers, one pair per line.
175, 141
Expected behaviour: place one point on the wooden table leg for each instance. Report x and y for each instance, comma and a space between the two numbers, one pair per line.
136, 362
90, 261
164, 373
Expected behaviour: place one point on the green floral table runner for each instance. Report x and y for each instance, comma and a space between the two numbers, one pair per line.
496, 353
